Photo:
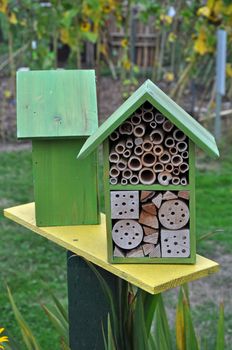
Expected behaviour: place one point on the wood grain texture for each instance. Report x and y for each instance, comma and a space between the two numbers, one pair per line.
150, 92
56, 103
79, 239
66, 190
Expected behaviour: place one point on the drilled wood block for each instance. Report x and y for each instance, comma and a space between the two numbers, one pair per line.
183, 194
151, 238
149, 230
145, 195
148, 219
127, 234
174, 214
118, 252
169, 195
157, 200
147, 248
155, 252
150, 208
175, 243
124, 204
135, 253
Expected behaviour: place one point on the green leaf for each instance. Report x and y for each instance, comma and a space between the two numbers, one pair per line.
180, 325
191, 342
150, 303
220, 344
140, 338
163, 334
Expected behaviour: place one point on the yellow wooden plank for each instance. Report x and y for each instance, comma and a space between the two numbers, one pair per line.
90, 243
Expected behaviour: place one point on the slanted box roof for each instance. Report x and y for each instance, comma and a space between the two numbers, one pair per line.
150, 92
56, 103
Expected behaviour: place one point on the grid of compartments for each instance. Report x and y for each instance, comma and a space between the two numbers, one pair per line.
148, 149
151, 224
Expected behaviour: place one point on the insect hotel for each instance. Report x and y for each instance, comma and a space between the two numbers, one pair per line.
57, 110
149, 178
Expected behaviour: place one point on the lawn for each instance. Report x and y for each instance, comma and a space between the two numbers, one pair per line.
31, 265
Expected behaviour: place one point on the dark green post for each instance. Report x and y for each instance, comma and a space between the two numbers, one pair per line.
88, 307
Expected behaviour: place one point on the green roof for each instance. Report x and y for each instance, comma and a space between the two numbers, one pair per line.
150, 92
56, 103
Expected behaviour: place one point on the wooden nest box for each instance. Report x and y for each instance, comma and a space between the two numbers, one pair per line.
57, 110
149, 178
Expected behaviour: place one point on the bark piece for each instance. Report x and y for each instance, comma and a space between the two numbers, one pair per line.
175, 243
149, 231
169, 195
157, 200
118, 252
150, 208
183, 194
135, 253
151, 238
145, 195
155, 252
148, 219
148, 248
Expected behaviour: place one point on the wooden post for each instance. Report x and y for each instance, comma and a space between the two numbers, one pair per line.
88, 307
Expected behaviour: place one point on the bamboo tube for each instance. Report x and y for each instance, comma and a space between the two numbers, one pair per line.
185, 155
120, 147
148, 159
177, 160
113, 157
169, 142
183, 167
157, 136
167, 126
179, 135
176, 171
147, 145
138, 141
136, 119
134, 180
126, 128
181, 146
147, 176
165, 157
138, 150
114, 136
139, 130
147, 116
114, 172
158, 150
113, 181
129, 143
147, 106
139, 111
183, 181
159, 118
127, 153
175, 180
164, 178
153, 125
169, 167
127, 173
122, 164
158, 167
124, 181
173, 151
134, 163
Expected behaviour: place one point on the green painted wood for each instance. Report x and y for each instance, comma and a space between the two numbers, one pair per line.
147, 260
66, 189
56, 103
149, 91
192, 201
151, 187
88, 306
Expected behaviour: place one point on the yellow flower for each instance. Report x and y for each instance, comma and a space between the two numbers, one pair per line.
3, 6
201, 46
126, 64
7, 93
204, 11
166, 19
124, 42
229, 70
168, 76
85, 26
3, 339
171, 37
13, 18
64, 36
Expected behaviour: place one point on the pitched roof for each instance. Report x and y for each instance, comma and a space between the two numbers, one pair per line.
150, 92
56, 103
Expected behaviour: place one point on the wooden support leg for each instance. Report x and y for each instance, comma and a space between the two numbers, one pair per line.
87, 307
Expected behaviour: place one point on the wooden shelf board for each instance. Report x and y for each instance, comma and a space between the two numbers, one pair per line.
89, 241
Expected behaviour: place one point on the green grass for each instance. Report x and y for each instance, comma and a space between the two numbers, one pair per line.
31, 265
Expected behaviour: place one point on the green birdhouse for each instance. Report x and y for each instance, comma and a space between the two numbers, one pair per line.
57, 110
149, 178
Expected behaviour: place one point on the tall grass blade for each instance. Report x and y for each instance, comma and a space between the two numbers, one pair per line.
191, 342
63, 312
220, 343
111, 343
150, 303
180, 330
162, 333
140, 338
